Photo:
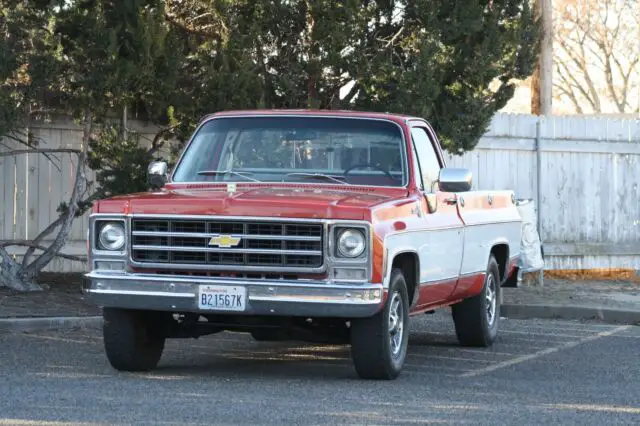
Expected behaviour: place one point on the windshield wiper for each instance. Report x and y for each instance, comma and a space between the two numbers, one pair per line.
318, 175
228, 172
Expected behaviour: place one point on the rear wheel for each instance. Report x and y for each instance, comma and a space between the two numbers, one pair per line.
379, 343
477, 318
133, 340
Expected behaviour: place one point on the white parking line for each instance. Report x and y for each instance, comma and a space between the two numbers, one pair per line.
592, 407
443, 351
523, 345
627, 336
59, 339
562, 330
452, 358
542, 333
415, 368
538, 339
558, 325
432, 373
21, 422
485, 352
543, 352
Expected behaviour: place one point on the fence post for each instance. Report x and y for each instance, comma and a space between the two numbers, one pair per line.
540, 277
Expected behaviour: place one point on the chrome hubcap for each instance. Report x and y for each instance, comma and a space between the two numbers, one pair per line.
396, 324
491, 299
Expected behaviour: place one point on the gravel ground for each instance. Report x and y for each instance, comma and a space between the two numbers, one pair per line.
604, 293
63, 296
538, 372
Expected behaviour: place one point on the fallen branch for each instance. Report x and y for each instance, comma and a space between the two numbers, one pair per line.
36, 242
41, 236
41, 151
34, 246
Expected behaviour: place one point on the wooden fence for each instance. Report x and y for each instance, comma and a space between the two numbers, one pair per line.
587, 171
588, 174
32, 187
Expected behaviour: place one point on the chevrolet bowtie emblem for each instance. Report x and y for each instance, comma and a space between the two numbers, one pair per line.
224, 241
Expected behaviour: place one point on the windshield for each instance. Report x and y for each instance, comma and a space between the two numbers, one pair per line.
295, 149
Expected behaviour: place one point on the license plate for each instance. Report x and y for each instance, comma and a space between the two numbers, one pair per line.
222, 298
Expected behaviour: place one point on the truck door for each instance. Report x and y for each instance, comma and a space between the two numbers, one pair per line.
441, 238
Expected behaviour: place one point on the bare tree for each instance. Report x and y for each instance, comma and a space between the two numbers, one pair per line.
21, 275
597, 57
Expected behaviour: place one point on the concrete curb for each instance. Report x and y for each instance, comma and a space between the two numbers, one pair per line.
17, 325
571, 312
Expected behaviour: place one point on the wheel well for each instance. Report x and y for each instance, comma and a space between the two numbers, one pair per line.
501, 253
409, 264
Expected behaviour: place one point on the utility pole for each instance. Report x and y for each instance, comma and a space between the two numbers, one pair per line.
541, 84
541, 92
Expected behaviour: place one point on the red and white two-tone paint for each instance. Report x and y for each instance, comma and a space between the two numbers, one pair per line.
326, 226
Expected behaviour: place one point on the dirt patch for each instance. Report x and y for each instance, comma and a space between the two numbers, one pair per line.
61, 282
611, 293
61, 296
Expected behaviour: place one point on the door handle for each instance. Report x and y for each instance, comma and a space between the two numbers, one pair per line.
451, 201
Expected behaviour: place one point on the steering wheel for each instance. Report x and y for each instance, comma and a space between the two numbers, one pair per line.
369, 166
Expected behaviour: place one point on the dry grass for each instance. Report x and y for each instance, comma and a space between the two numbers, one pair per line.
594, 274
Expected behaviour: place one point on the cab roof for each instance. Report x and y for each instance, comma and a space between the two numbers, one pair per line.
315, 112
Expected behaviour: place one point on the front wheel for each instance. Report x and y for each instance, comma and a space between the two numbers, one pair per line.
379, 343
477, 318
133, 340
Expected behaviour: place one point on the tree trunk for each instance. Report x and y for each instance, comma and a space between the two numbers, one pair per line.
12, 274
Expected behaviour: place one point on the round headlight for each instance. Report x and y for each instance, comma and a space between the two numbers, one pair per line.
351, 243
112, 237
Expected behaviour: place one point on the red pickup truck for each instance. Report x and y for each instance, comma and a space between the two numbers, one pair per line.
321, 226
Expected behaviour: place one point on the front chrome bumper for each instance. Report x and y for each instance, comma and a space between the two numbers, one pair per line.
263, 297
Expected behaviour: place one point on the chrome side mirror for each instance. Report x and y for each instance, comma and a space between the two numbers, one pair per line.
454, 180
157, 174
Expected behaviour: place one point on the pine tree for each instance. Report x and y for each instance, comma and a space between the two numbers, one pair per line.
452, 63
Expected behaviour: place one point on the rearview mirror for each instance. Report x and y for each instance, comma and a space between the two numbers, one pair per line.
157, 174
454, 180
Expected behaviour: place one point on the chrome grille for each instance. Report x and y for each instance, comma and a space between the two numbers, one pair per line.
267, 244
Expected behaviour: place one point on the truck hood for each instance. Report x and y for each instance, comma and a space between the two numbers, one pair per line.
330, 202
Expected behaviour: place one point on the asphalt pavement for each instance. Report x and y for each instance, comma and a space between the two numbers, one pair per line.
539, 372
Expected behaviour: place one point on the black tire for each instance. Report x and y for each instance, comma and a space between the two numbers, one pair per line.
474, 325
371, 348
133, 340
